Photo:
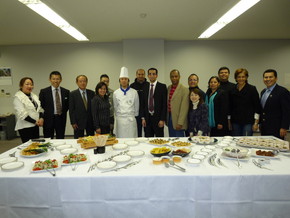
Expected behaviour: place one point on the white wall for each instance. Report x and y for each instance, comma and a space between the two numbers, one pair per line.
200, 57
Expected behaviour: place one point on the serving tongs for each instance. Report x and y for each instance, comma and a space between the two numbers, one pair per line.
52, 173
260, 165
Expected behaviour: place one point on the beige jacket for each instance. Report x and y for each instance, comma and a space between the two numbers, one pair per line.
179, 105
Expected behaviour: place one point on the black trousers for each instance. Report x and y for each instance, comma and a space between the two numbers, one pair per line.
29, 133
81, 132
152, 129
58, 127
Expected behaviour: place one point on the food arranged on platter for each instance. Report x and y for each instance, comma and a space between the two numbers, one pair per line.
34, 149
181, 152
265, 153
158, 141
45, 165
267, 143
235, 152
203, 140
74, 158
88, 142
180, 144
161, 151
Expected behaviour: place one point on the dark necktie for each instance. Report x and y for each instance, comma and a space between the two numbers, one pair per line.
85, 100
57, 102
151, 103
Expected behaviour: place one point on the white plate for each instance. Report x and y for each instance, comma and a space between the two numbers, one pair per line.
210, 147
207, 150
223, 155
136, 153
253, 154
122, 158
7, 160
204, 153
68, 151
194, 162
35, 155
106, 165
12, 165
120, 146
55, 144
132, 143
141, 139
198, 156
61, 147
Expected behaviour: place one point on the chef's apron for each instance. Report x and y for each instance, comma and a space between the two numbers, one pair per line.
126, 127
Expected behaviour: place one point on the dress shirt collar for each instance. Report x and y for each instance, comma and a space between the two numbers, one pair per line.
272, 87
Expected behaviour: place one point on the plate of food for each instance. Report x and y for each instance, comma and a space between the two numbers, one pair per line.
6, 160
180, 144
34, 150
106, 165
160, 151
43, 166
235, 152
12, 166
74, 158
183, 152
265, 154
203, 140
263, 143
158, 142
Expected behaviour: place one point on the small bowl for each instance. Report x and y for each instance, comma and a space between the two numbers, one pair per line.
165, 159
132, 143
157, 161
194, 161
176, 158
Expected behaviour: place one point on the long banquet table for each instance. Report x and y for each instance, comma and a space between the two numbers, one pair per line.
146, 190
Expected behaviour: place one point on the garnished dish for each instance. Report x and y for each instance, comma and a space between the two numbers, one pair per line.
264, 153
45, 165
180, 144
158, 142
235, 152
203, 140
266, 143
88, 142
34, 149
181, 152
158, 152
74, 158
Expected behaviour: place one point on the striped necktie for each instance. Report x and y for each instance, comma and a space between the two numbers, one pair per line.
57, 102
85, 100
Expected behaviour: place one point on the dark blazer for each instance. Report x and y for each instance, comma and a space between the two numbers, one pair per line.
46, 99
276, 113
244, 104
160, 102
78, 113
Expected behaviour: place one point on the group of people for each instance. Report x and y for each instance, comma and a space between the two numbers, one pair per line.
224, 109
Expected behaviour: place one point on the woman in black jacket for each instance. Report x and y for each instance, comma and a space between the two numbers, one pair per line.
244, 105
217, 101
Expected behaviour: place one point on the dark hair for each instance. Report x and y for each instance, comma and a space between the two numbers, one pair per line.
193, 74
241, 70
176, 71
104, 75
100, 85
55, 73
81, 76
152, 68
140, 70
224, 68
213, 77
22, 81
199, 93
271, 71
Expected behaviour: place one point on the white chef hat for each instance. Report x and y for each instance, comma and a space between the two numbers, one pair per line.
124, 73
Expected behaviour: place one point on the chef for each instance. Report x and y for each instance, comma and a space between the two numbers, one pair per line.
126, 106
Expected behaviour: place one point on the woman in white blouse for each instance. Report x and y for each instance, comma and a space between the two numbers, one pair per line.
28, 111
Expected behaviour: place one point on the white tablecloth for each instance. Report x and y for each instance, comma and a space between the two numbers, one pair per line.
146, 190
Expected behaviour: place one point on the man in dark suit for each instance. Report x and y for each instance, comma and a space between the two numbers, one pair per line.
55, 102
80, 108
155, 106
275, 104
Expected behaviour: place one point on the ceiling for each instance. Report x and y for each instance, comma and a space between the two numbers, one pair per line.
116, 20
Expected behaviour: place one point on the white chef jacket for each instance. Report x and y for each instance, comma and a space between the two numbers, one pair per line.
126, 109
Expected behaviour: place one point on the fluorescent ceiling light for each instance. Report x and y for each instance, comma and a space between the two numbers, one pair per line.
46, 12
228, 17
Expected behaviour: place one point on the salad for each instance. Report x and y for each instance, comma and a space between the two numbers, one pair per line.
73, 158
43, 165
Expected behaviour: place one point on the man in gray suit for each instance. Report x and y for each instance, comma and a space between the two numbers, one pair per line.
80, 108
